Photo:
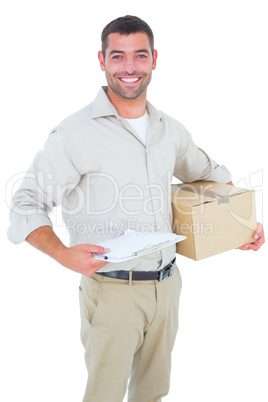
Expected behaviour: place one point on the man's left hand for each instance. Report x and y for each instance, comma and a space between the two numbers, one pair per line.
259, 236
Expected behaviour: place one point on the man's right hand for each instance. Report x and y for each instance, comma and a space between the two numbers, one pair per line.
78, 258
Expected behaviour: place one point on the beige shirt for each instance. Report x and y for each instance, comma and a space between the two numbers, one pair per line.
95, 166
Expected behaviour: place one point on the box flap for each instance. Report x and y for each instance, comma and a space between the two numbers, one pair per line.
202, 192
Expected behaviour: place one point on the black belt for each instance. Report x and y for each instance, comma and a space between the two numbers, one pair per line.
142, 275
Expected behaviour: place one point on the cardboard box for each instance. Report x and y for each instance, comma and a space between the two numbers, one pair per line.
215, 217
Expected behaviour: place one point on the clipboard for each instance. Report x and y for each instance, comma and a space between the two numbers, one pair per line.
134, 244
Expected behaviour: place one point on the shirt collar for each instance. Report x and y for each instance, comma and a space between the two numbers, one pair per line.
102, 107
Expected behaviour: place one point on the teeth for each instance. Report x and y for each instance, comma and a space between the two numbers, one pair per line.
129, 79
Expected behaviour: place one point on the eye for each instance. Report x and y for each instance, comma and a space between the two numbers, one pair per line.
142, 56
117, 57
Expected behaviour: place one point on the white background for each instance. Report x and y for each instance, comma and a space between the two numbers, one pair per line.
211, 76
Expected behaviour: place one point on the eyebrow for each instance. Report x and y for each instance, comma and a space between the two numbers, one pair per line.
143, 51
121, 52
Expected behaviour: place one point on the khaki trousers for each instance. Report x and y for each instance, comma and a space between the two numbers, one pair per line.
128, 329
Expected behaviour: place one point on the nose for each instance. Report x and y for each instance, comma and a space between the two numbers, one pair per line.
130, 66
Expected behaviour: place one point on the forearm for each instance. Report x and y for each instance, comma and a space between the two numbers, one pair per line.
45, 240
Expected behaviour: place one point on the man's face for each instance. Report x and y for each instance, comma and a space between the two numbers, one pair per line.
128, 64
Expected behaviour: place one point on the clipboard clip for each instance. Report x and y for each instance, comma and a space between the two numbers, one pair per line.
150, 248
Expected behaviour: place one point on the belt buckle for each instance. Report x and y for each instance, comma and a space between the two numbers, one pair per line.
164, 271
161, 274
169, 268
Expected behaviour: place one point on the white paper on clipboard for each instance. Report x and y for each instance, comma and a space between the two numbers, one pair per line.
133, 244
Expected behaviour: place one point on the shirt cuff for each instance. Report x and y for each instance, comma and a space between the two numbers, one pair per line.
24, 225
220, 174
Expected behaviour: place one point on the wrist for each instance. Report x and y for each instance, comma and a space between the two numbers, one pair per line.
60, 254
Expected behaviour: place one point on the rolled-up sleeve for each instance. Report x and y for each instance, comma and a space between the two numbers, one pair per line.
50, 178
193, 163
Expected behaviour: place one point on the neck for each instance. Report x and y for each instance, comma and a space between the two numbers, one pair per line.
128, 108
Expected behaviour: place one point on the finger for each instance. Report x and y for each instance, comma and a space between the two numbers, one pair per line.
252, 246
96, 266
97, 249
259, 227
259, 231
245, 247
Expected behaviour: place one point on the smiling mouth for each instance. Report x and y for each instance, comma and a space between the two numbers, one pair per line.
130, 80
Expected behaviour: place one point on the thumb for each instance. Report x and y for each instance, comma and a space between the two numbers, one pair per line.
258, 232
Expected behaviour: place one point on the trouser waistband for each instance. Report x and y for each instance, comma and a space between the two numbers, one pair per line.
142, 275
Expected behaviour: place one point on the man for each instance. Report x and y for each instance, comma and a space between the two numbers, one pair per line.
110, 167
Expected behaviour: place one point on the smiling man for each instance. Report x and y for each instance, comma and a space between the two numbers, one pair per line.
110, 165
128, 61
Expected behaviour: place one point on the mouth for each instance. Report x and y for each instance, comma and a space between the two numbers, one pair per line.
129, 80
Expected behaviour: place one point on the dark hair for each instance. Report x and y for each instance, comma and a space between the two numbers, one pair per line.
125, 26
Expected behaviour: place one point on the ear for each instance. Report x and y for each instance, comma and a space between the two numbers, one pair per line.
154, 60
101, 60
